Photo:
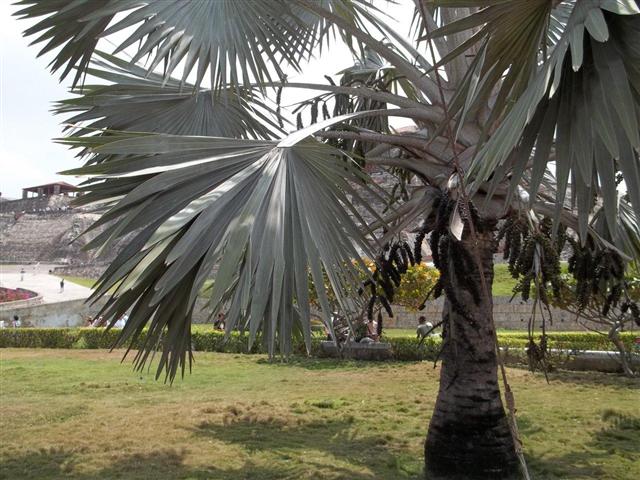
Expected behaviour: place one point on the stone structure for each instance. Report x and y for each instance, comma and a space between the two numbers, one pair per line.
48, 189
70, 313
36, 205
507, 315
44, 237
357, 351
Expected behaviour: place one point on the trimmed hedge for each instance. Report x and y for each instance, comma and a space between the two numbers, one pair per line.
209, 340
569, 340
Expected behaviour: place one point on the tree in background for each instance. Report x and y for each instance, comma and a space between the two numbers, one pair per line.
521, 107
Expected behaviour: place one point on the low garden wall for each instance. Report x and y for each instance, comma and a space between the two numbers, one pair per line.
11, 299
71, 313
507, 315
10, 295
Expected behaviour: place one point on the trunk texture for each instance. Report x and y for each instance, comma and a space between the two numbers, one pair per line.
469, 437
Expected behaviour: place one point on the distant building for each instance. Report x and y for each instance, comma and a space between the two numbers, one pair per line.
56, 188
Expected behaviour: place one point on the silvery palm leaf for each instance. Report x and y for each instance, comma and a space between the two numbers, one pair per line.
264, 215
584, 104
238, 41
138, 101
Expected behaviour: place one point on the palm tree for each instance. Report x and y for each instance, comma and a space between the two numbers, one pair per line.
521, 107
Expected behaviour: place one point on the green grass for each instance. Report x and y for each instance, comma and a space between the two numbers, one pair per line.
85, 282
84, 415
503, 282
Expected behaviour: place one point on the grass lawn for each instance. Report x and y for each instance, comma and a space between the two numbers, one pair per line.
83, 415
503, 282
85, 282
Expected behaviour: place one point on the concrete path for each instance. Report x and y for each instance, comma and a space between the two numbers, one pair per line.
43, 283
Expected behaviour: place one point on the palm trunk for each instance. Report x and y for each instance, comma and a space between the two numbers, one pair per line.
469, 437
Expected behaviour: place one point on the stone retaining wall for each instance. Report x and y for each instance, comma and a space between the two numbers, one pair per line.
507, 315
512, 316
62, 314
50, 203
92, 271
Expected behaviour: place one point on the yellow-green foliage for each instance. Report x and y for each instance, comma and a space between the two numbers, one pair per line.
416, 283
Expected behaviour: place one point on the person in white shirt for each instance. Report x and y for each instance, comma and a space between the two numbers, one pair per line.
424, 328
122, 321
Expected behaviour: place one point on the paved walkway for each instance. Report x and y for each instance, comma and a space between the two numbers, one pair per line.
45, 284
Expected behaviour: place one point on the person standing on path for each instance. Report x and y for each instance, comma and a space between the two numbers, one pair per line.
62, 285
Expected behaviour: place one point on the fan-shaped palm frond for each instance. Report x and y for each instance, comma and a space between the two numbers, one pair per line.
503, 46
138, 101
587, 104
246, 207
236, 40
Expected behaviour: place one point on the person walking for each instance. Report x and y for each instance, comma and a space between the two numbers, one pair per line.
62, 285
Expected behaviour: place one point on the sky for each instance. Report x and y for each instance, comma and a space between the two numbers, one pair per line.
28, 156
27, 90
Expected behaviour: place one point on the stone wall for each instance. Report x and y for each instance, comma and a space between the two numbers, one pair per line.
512, 316
63, 314
46, 237
507, 315
27, 302
91, 270
51, 203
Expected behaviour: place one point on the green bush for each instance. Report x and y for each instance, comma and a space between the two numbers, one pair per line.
209, 340
568, 340
409, 348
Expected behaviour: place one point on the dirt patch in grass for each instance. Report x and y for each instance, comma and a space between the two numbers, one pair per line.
84, 415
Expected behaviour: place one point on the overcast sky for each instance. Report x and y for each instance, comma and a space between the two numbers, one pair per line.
28, 156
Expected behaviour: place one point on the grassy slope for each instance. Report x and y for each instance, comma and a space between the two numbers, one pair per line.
83, 415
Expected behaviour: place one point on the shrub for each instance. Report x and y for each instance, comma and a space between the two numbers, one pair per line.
415, 284
568, 340
409, 348
80, 344
209, 340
